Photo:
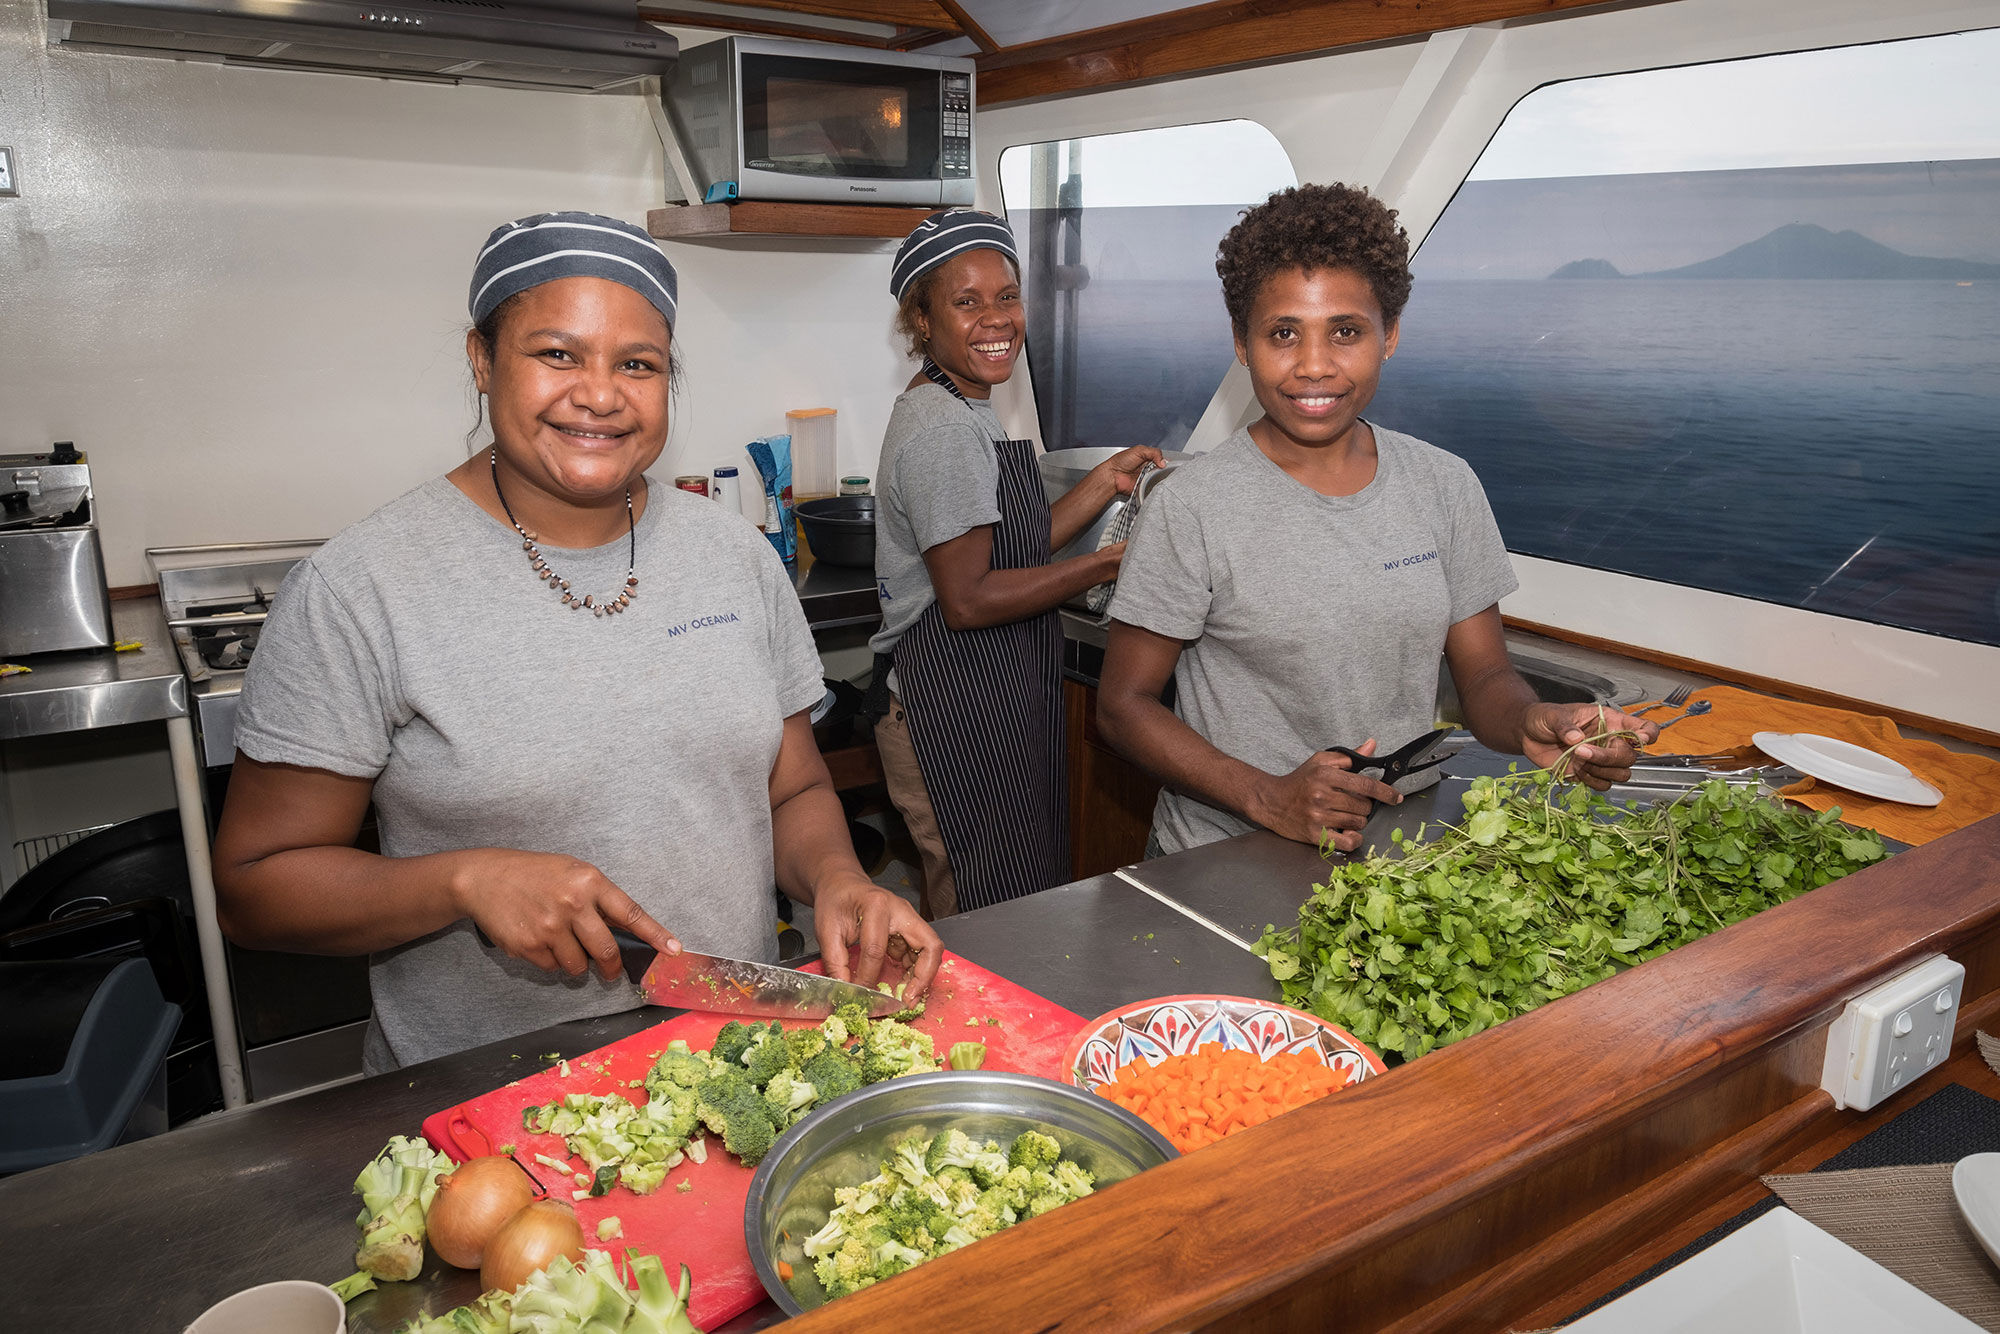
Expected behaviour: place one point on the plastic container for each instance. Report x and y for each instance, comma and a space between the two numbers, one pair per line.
815, 460
727, 489
89, 1038
856, 486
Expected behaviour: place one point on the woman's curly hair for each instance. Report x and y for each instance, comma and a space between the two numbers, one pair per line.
1315, 227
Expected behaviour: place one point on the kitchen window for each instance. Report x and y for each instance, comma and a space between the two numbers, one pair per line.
1735, 327
1127, 336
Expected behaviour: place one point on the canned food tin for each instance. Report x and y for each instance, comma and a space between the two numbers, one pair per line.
694, 482
854, 486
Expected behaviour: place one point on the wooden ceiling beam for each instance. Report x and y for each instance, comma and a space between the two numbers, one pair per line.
968, 25
1226, 33
917, 38
896, 13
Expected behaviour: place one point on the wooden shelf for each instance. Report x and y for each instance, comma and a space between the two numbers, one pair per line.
766, 218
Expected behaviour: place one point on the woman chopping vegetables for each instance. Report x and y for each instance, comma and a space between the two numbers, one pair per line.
968, 667
1299, 582
518, 664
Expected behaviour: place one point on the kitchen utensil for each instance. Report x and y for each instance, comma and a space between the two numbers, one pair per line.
691, 981
844, 1143
1694, 710
1673, 700
1399, 763
53, 594
1975, 1184
1098, 596
703, 1225
1777, 1273
1152, 1030
1844, 764
840, 530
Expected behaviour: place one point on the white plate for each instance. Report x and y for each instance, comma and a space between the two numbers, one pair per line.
1975, 1182
1844, 764
1778, 1275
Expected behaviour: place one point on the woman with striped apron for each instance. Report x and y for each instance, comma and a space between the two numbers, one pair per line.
968, 670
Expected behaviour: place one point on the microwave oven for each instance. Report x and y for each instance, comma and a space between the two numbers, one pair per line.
763, 118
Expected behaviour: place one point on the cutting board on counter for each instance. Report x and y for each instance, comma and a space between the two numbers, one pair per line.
702, 1227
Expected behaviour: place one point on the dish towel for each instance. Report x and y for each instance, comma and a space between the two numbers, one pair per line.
1970, 783
1098, 596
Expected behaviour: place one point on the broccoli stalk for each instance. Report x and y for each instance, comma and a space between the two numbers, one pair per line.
966, 1055
396, 1189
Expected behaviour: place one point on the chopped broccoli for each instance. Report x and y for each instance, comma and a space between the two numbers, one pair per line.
1033, 1150
788, 1097
966, 1055
925, 1203
892, 1049
849, 1023
908, 1012
679, 1065
730, 1105
734, 1039
832, 1073
767, 1054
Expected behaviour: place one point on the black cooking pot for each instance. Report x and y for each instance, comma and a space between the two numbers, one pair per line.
840, 530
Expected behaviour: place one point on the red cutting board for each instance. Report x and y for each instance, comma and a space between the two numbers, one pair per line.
703, 1227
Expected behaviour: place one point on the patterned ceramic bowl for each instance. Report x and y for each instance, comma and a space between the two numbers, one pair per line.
1153, 1030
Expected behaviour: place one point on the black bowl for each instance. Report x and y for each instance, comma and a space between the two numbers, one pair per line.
840, 530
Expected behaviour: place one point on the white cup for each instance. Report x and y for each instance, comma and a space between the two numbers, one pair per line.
293, 1306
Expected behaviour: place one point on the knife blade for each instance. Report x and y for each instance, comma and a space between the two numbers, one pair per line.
691, 981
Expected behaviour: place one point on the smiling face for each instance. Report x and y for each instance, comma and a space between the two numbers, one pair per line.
972, 325
576, 387
1314, 342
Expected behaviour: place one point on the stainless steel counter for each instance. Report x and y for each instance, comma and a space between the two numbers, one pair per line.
71, 692
837, 595
146, 1236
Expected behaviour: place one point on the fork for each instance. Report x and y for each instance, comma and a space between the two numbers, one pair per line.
1673, 700
1694, 710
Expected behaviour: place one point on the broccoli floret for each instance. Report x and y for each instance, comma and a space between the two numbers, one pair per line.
832, 1073
732, 1041
849, 1023
993, 1211
732, 1107
679, 1065
953, 1149
788, 1097
1041, 1202
892, 1049
1034, 1151
908, 1012
766, 1056
906, 1163
802, 1044
1072, 1180
848, 1269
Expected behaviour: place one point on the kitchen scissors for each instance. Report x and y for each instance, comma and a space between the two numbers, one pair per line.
1397, 764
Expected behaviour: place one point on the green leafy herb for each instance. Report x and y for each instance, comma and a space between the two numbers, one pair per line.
1543, 889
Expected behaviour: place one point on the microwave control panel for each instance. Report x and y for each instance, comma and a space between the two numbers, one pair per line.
955, 126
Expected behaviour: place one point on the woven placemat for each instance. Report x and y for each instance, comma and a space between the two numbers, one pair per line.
1906, 1220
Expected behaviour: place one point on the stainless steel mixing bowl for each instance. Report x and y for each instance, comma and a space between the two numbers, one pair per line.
845, 1142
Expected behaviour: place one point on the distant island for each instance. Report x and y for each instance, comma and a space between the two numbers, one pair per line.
1802, 250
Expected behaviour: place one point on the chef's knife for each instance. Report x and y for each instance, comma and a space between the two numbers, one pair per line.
690, 981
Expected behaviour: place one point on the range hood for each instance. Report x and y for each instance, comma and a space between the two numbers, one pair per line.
569, 45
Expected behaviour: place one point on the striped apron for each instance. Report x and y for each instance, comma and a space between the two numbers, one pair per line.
986, 714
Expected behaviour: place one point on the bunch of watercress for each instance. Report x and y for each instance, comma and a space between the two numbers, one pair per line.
1541, 890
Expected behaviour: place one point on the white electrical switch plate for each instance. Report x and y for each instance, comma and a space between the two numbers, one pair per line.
1891, 1034
7, 185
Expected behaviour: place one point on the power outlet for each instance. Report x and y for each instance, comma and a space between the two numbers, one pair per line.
1892, 1033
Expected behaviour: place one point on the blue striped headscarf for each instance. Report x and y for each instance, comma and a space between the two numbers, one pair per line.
944, 235
548, 246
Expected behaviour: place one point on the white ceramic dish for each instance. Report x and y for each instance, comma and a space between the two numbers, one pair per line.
1778, 1275
1975, 1183
1847, 765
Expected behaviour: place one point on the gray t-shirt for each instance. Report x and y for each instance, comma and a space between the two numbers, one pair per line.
1312, 620
940, 479
417, 649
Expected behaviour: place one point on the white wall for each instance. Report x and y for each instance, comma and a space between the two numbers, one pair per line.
243, 292
1409, 120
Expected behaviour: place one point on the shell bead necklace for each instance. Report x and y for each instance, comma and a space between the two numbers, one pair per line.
529, 544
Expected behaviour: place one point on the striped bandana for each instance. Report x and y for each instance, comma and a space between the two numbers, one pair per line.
943, 235
549, 246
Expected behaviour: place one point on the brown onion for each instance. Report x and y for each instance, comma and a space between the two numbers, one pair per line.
474, 1201
529, 1241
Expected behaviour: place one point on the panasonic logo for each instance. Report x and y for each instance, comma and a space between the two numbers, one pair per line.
865, 189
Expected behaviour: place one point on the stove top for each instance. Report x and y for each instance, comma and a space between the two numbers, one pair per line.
215, 599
